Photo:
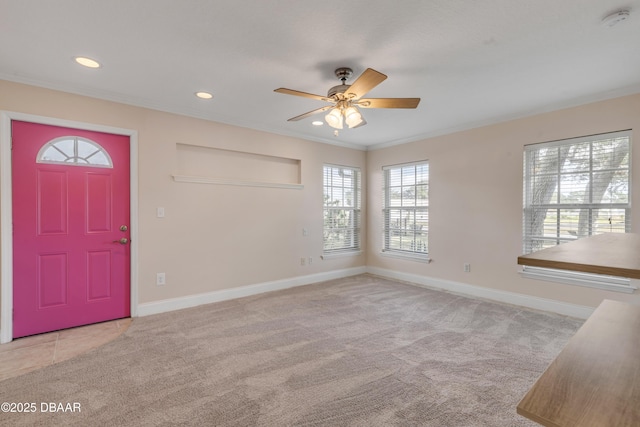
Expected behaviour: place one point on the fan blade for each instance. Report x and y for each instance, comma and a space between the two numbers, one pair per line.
388, 102
310, 113
363, 84
303, 94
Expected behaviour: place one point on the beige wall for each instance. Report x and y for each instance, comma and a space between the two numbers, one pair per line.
213, 237
217, 237
476, 198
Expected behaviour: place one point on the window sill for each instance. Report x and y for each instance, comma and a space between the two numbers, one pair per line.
340, 254
598, 281
409, 257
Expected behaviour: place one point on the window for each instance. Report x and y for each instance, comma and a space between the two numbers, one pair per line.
73, 150
341, 209
406, 210
575, 188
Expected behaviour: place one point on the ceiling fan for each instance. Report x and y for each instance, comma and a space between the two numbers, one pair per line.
345, 99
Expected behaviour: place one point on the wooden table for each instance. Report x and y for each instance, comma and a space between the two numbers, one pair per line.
595, 380
616, 254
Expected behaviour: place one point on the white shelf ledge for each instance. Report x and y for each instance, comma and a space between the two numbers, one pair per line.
225, 181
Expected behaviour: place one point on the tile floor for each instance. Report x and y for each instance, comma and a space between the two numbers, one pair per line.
26, 354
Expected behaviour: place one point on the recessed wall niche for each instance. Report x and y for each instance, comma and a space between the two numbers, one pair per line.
209, 165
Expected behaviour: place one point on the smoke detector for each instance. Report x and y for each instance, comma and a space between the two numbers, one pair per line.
615, 18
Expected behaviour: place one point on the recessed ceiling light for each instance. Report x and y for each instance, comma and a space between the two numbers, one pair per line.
615, 18
204, 95
317, 123
87, 62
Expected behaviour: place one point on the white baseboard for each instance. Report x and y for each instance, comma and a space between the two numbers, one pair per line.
567, 309
146, 309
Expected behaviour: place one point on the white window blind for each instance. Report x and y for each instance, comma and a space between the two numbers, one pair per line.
342, 190
406, 209
576, 188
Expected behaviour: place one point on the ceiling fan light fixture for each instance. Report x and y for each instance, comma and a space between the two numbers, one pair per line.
334, 118
352, 117
362, 123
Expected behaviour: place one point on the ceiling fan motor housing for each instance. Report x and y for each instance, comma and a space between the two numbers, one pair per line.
337, 89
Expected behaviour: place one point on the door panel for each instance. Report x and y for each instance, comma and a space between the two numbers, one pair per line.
99, 275
99, 198
69, 269
52, 280
52, 202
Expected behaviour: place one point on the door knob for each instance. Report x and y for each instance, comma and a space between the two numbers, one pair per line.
122, 241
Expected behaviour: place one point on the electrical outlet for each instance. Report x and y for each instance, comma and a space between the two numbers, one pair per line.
303, 261
310, 260
161, 279
467, 267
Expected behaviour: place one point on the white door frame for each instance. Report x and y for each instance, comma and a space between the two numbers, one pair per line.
6, 209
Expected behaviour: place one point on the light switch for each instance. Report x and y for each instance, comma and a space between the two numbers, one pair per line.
160, 212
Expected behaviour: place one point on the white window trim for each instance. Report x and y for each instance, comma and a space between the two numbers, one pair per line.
577, 140
589, 280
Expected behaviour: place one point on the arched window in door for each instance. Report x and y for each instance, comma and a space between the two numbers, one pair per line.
76, 151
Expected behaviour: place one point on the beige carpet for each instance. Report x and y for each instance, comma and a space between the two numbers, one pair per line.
361, 351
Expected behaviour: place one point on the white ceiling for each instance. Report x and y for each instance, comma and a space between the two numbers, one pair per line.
471, 62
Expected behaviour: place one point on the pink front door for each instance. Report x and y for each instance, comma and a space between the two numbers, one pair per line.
71, 257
